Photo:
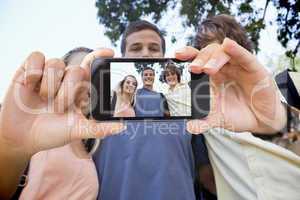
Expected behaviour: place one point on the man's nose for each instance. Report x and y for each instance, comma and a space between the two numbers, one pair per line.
146, 53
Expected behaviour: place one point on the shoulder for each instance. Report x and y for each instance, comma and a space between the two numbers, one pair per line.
138, 91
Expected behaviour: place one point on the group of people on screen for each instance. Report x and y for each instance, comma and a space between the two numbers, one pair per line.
129, 101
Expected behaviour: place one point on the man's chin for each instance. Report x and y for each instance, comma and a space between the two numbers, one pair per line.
148, 85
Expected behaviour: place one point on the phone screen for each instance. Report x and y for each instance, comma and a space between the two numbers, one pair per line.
146, 88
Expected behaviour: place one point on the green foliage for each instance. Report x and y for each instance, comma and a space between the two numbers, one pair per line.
158, 68
288, 20
141, 66
282, 62
115, 14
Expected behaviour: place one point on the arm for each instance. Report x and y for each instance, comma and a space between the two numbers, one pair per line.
12, 166
244, 95
13, 163
26, 122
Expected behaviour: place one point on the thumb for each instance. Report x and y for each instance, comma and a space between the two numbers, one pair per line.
99, 53
50, 131
91, 129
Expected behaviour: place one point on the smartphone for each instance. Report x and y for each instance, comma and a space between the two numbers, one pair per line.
147, 88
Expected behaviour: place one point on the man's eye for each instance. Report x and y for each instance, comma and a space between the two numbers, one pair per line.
135, 48
154, 48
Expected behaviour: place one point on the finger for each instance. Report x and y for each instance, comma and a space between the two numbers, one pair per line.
196, 66
73, 84
34, 65
91, 129
240, 55
216, 61
209, 60
197, 126
52, 77
186, 53
100, 53
66, 128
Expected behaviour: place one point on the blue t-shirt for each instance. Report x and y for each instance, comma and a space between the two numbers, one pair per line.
148, 103
150, 160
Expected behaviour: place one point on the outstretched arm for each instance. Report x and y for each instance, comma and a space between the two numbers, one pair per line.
244, 95
41, 111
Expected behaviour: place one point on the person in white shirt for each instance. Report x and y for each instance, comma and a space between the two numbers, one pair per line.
179, 94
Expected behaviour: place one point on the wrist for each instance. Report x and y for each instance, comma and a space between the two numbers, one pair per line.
12, 166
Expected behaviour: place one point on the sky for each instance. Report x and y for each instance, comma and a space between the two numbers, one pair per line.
55, 27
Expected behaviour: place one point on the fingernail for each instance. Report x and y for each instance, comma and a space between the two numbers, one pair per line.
212, 63
195, 69
197, 63
181, 50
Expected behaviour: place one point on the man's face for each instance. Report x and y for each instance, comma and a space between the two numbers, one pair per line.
148, 77
144, 43
171, 78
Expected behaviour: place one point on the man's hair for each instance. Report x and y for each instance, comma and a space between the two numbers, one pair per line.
147, 68
216, 28
137, 26
68, 56
171, 67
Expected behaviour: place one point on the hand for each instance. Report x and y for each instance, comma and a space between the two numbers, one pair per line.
244, 96
40, 110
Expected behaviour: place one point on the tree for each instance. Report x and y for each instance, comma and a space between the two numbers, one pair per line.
158, 67
115, 14
281, 62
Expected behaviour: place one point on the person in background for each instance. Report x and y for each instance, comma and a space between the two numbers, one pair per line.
123, 97
244, 165
178, 94
151, 159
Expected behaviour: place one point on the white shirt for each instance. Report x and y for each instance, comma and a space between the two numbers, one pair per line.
246, 167
179, 100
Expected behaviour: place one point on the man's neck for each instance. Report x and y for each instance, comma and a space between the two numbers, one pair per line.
149, 87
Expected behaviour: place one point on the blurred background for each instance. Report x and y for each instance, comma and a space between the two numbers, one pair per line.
55, 27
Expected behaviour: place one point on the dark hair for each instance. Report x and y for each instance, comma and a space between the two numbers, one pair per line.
137, 26
147, 68
171, 67
67, 57
216, 28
